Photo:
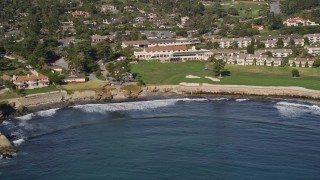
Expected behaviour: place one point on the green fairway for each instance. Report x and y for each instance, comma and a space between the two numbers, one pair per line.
175, 73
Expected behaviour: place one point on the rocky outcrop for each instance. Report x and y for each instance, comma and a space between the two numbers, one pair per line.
6, 148
5, 110
118, 92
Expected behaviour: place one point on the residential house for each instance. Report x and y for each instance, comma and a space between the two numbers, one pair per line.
299, 22
158, 34
301, 62
100, 38
75, 78
275, 52
30, 81
313, 38
228, 42
258, 27
108, 7
78, 13
313, 49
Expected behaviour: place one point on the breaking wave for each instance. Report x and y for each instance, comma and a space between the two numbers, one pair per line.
47, 113
26, 117
18, 142
293, 110
241, 100
44, 113
128, 106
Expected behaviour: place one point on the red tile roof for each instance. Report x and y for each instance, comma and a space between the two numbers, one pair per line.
32, 77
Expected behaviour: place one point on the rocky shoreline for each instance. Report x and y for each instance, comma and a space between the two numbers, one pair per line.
112, 94
115, 94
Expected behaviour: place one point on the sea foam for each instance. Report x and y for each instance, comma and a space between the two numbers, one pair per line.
293, 110
18, 142
47, 113
130, 106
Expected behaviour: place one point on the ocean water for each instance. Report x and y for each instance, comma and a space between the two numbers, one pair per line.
168, 139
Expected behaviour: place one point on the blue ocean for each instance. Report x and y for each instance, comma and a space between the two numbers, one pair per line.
217, 138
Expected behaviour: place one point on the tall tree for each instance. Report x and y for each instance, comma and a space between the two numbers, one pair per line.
218, 67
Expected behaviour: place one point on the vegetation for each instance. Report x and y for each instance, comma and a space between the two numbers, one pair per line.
295, 73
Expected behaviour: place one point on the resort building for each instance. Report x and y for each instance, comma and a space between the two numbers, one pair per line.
301, 62
315, 50
299, 22
313, 38
229, 42
272, 42
30, 81
226, 52
251, 59
275, 52
172, 53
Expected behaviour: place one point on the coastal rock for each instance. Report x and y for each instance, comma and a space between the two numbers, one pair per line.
6, 148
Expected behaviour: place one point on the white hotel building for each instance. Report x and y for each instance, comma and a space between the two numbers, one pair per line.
172, 53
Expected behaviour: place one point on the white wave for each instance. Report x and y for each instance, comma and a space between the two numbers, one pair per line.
127, 106
26, 117
241, 100
47, 113
289, 109
192, 99
219, 99
18, 142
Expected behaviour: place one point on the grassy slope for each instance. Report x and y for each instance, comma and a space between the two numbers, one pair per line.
157, 73
90, 85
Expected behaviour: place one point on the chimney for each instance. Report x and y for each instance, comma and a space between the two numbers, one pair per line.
28, 75
14, 77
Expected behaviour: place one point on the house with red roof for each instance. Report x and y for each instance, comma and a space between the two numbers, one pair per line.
30, 81
299, 22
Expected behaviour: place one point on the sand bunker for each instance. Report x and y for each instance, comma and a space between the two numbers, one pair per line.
192, 77
213, 79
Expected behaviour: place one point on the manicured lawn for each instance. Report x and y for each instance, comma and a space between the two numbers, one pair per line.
90, 85
40, 90
175, 73
170, 73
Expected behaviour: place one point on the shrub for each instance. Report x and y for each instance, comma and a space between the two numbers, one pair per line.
295, 73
